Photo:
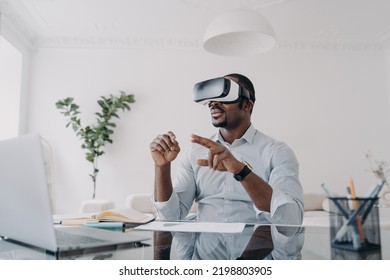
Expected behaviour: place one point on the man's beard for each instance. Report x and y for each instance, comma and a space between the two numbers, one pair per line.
220, 124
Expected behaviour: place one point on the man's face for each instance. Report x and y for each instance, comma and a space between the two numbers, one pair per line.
226, 115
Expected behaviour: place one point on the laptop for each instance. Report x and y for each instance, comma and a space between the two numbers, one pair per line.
25, 208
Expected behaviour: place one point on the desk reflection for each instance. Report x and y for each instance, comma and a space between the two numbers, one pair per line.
254, 243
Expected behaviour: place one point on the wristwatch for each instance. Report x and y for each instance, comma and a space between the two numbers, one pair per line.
244, 172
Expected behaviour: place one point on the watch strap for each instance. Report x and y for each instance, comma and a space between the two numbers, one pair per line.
243, 173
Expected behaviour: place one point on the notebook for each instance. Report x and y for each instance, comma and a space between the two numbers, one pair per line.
25, 208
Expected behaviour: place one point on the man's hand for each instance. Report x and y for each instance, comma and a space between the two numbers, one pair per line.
220, 158
164, 149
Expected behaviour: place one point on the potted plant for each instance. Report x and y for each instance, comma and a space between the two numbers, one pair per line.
95, 137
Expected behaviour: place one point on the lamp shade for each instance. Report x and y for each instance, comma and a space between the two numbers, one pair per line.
239, 32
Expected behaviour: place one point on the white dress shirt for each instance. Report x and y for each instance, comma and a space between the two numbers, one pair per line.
221, 198
276, 243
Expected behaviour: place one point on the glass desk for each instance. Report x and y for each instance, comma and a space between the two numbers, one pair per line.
254, 242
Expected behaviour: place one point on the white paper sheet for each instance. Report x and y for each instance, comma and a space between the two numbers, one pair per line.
193, 227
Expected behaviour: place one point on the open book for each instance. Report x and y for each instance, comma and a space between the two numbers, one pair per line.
127, 216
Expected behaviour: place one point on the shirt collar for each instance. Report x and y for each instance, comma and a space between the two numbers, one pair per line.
248, 136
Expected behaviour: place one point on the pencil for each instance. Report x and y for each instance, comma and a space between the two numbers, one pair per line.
355, 204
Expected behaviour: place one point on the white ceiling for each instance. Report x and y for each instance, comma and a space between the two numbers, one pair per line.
351, 24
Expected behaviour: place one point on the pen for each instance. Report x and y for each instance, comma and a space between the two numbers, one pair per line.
355, 204
353, 216
373, 197
356, 225
343, 228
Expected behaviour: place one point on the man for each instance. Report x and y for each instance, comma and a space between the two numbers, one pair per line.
238, 175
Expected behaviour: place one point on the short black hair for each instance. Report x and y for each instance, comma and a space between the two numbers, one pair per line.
244, 82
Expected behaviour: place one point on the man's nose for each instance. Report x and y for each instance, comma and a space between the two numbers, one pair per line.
214, 102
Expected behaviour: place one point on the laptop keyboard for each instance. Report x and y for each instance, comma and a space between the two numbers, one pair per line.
64, 238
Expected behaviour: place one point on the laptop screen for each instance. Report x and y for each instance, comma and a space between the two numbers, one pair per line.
25, 210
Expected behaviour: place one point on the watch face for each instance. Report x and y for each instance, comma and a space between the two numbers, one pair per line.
238, 177
242, 174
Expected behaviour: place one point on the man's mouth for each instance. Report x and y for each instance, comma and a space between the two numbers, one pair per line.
216, 112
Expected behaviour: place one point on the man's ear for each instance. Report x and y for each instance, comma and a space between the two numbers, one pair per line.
248, 106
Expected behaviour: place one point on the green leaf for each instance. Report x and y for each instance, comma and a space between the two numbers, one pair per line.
68, 100
102, 104
60, 105
126, 106
111, 124
90, 157
74, 107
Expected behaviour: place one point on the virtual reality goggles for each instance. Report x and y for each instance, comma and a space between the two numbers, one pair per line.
220, 90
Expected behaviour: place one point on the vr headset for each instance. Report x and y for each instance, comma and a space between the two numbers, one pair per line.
220, 90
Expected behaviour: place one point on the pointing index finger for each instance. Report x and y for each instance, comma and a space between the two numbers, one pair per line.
205, 142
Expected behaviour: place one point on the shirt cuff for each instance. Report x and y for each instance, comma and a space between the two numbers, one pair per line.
284, 209
167, 210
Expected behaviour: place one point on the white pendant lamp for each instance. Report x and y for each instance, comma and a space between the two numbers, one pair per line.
239, 32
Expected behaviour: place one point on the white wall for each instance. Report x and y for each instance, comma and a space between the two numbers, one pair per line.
24, 47
330, 106
10, 81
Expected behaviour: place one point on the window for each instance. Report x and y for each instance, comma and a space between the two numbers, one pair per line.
11, 60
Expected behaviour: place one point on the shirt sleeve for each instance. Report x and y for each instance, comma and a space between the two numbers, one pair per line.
287, 196
167, 210
184, 190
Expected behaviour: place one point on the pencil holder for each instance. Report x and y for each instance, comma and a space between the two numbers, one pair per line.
354, 223
342, 254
